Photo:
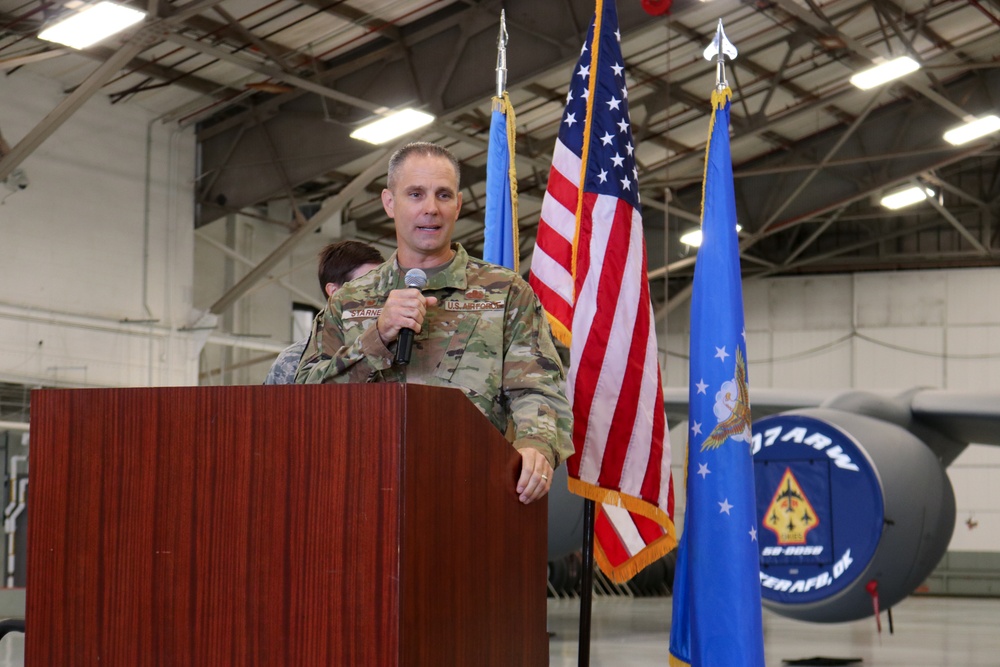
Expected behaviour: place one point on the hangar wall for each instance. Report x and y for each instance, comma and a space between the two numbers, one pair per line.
888, 331
103, 279
95, 254
265, 312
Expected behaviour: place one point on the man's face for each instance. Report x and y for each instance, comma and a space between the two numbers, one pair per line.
425, 203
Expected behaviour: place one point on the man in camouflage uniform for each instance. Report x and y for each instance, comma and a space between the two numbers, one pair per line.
478, 327
339, 263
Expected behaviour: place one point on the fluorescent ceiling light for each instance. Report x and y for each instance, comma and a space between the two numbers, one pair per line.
393, 125
907, 197
974, 129
887, 71
693, 238
84, 28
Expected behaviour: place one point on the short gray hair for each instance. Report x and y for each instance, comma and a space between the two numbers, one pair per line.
422, 148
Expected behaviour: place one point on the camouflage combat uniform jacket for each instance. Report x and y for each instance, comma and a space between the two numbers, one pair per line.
284, 367
487, 336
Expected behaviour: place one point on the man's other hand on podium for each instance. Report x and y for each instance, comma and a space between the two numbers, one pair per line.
536, 475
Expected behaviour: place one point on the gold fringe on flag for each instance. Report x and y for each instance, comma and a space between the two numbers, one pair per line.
587, 124
719, 100
559, 332
653, 552
677, 662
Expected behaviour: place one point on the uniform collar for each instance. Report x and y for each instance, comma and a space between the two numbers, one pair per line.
452, 277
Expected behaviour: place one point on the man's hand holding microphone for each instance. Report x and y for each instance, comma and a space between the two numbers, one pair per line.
403, 314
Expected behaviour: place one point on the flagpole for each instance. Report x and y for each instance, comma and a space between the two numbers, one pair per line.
587, 576
500, 242
502, 55
720, 48
586, 583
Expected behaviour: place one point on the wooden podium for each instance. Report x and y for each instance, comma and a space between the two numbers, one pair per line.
348, 525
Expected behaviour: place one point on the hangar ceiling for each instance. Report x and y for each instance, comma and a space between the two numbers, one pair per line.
274, 87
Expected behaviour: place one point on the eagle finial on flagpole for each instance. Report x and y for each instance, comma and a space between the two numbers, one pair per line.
719, 49
502, 55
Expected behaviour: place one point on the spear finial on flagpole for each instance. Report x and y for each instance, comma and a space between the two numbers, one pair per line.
502, 55
719, 49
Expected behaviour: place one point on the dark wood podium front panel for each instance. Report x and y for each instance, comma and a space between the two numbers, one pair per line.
260, 526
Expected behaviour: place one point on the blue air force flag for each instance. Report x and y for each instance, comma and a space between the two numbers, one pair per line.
716, 605
500, 245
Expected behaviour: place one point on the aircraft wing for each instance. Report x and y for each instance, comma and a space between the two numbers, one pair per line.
966, 416
963, 416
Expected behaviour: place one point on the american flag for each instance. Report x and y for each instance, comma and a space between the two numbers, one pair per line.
589, 271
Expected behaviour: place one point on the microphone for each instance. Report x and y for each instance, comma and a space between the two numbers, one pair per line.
404, 342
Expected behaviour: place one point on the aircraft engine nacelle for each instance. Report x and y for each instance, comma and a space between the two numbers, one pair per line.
844, 500
565, 517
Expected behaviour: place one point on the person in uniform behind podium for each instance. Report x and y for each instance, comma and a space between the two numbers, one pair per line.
477, 326
339, 263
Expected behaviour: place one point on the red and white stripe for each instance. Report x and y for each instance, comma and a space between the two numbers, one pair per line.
551, 273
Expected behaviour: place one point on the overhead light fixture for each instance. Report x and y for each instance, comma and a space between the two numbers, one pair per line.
89, 26
887, 71
973, 129
693, 238
392, 125
908, 197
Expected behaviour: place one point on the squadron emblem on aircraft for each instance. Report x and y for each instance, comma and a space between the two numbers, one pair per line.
790, 516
